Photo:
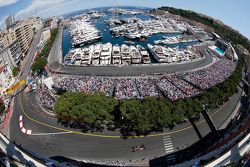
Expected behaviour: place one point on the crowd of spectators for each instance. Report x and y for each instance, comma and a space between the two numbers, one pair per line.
91, 85
126, 89
107, 86
186, 87
171, 91
147, 88
71, 84
212, 75
174, 87
45, 98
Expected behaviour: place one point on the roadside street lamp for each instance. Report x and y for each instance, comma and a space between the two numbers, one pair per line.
209, 120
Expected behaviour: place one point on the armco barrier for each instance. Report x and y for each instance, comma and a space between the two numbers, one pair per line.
243, 147
16, 153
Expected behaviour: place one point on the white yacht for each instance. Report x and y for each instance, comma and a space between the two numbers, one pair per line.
136, 56
83, 32
96, 54
116, 54
69, 58
86, 55
105, 57
144, 54
125, 54
158, 52
78, 58
169, 40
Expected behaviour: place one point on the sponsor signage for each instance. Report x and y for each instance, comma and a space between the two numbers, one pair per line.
15, 87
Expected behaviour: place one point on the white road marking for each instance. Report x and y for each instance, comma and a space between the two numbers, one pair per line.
168, 146
20, 118
23, 130
21, 124
43, 134
169, 151
29, 132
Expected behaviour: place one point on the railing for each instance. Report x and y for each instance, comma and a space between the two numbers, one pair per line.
239, 149
12, 150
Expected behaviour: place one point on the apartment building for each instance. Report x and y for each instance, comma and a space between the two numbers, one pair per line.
6, 58
24, 34
6, 79
10, 51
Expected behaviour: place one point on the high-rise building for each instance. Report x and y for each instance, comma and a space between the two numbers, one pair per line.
24, 34
6, 58
37, 23
6, 79
10, 51
16, 39
9, 21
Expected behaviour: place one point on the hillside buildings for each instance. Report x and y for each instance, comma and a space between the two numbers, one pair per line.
6, 79
16, 39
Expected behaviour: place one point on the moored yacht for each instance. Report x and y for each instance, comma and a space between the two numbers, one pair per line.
158, 52
144, 54
125, 54
136, 56
116, 54
69, 58
86, 55
96, 54
105, 57
78, 58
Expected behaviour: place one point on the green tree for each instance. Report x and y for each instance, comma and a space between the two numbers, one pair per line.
39, 64
2, 107
93, 108
133, 117
15, 71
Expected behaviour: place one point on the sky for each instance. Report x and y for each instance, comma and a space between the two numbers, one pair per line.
235, 13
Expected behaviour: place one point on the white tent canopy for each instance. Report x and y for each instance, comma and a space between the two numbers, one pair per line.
48, 82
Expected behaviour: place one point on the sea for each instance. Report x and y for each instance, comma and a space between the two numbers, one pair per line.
108, 37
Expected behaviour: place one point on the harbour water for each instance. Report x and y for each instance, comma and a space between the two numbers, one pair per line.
108, 37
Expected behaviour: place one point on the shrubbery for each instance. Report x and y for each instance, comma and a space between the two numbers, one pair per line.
41, 62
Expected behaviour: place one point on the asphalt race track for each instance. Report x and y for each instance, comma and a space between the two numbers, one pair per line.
52, 139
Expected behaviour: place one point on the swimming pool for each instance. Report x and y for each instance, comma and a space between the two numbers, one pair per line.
219, 51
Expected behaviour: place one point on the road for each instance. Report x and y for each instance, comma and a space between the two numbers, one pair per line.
74, 144
30, 55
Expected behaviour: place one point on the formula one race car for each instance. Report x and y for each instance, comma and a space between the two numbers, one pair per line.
138, 148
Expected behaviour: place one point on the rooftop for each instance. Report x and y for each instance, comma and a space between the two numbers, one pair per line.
2, 69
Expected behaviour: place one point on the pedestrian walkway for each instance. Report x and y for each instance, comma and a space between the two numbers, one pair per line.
168, 146
9, 112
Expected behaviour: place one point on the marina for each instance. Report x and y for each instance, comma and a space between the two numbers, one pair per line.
176, 40
82, 31
126, 37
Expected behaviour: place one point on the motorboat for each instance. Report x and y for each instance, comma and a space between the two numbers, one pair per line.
144, 54
136, 55
86, 55
105, 57
158, 52
125, 54
96, 54
116, 54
